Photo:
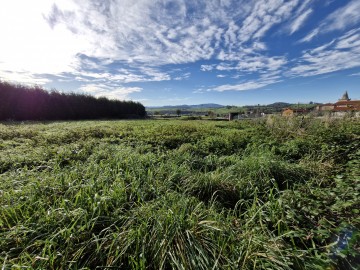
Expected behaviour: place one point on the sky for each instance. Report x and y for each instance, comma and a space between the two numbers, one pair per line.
172, 52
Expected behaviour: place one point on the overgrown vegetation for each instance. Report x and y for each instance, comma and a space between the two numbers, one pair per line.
19, 102
266, 194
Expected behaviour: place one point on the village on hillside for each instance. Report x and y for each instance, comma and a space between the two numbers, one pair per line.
343, 107
340, 108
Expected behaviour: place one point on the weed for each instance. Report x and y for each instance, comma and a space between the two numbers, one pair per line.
269, 194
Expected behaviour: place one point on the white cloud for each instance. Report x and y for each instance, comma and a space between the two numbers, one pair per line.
252, 63
207, 67
259, 46
340, 19
143, 31
154, 75
264, 15
299, 21
247, 85
146, 32
23, 77
139, 74
112, 92
184, 76
262, 81
237, 76
351, 40
299, 16
310, 36
261, 63
342, 53
343, 17
150, 31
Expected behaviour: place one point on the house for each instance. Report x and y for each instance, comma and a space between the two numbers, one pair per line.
288, 112
343, 106
346, 104
325, 107
292, 112
245, 115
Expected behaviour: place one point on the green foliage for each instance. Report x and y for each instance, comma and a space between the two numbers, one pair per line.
265, 194
21, 103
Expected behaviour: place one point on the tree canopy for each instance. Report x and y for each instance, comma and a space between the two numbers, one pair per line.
19, 102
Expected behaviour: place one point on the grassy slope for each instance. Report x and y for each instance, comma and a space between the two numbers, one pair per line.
272, 194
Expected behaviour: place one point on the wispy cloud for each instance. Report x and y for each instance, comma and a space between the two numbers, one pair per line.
342, 53
120, 30
253, 63
182, 32
261, 82
340, 19
24, 77
298, 18
122, 75
250, 85
184, 76
261, 63
310, 35
146, 31
299, 21
207, 67
343, 17
264, 16
112, 92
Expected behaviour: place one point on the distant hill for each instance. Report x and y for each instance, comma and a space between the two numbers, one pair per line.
279, 104
203, 109
198, 106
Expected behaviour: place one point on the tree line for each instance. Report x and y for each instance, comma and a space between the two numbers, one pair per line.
19, 102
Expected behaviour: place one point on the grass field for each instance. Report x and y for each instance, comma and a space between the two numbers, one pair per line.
267, 194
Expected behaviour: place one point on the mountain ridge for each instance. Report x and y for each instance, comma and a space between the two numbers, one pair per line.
184, 106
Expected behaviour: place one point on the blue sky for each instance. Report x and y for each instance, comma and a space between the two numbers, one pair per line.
168, 52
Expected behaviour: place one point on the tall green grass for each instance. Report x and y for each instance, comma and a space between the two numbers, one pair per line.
268, 194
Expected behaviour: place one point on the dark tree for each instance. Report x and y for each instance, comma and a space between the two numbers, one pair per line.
18, 102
